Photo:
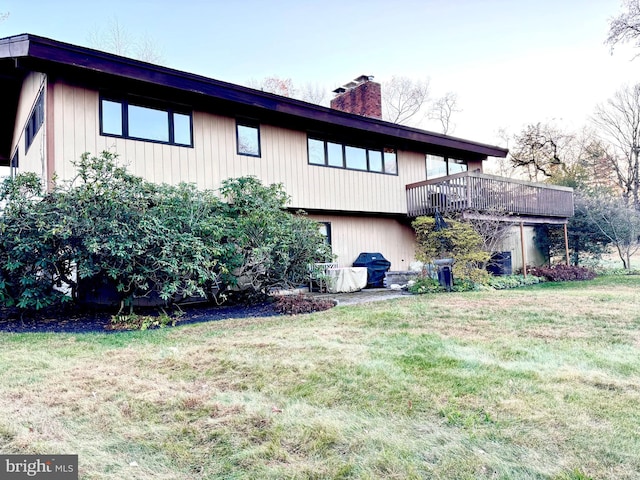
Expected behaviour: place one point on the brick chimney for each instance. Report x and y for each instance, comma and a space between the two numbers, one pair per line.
362, 97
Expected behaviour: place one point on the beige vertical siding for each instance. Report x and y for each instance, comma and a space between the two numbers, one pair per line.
352, 235
474, 165
33, 160
214, 159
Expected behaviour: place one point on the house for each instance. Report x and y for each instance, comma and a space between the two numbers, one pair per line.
365, 179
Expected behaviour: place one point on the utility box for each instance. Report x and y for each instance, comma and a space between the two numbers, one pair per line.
500, 264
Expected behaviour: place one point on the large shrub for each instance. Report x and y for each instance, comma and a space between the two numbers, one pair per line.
563, 273
273, 247
109, 228
458, 241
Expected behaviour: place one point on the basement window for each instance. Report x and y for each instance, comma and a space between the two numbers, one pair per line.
36, 119
151, 122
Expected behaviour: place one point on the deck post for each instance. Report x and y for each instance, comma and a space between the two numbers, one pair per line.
566, 243
524, 253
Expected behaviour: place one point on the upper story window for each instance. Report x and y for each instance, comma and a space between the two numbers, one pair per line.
332, 154
128, 118
36, 119
248, 138
438, 166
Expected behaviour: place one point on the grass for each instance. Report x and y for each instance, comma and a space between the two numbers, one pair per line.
534, 383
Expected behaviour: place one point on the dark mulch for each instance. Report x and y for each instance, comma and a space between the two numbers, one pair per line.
84, 320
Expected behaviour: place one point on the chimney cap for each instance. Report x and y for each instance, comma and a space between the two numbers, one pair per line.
350, 85
364, 78
340, 90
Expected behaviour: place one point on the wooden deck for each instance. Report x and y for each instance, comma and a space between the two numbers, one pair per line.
479, 192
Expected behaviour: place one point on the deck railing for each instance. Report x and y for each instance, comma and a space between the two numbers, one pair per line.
488, 193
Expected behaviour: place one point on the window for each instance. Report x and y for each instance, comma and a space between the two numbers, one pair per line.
248, 137
36, 119
325, 231
138, 120
438, 166
148, 123
375, 161
332, 154
456, 166
356, 158
111, 117
335, 155
15, 160
390, 161
315, 151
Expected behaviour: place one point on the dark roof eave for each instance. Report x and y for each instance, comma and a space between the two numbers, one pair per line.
52, 51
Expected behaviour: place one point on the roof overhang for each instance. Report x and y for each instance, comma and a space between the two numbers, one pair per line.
50, 56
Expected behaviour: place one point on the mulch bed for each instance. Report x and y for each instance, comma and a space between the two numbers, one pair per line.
84, 320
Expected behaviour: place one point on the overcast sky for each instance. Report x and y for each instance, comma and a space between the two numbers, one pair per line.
511, 62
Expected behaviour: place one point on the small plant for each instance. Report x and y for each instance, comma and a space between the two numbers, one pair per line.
464, 285
426, 285
143, 322
514, 281
298, 304
563, 273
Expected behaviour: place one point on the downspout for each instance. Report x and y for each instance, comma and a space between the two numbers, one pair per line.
524, 253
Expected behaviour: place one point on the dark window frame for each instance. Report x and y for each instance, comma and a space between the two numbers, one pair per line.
326, 164
35, 121
243, 122
328, 235
170, 109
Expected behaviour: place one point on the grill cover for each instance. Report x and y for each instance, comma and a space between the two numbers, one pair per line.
376, 265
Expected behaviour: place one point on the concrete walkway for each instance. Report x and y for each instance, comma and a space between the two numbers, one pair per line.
363, 296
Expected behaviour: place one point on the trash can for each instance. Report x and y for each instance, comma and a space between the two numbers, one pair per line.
445, 272
376, 265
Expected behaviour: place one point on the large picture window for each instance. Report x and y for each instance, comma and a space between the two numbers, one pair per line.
135, 119
36, 119
332, 154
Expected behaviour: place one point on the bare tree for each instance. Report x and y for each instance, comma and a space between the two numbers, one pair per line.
274, 84
443, 109
626, 26
617, 222
492, 229
115, 38
313, 93
543, 152
403, 99
4, 16
539, 150
618, 123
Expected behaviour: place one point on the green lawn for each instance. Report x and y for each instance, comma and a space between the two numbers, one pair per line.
535, 383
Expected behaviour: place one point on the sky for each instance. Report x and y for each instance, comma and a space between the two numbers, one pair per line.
510, 62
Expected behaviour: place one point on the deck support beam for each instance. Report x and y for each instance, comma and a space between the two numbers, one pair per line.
566, 243
524, 252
